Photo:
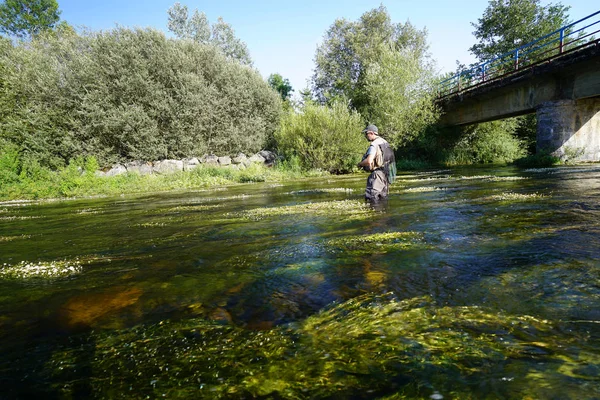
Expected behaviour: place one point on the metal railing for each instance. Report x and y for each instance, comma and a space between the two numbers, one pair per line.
565, 40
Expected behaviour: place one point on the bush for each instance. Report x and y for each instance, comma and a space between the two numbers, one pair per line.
10, 163
486, 143
541, 159
130, 95
322, 137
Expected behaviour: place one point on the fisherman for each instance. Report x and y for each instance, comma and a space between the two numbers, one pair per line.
374, 162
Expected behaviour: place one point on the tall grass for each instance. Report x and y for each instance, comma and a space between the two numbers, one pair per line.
78, 179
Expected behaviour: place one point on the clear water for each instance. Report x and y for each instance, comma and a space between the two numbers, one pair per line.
468, 283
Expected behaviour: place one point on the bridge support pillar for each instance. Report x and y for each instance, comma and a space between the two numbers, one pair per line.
569, 129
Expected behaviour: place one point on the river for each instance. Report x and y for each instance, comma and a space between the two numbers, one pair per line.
468, 283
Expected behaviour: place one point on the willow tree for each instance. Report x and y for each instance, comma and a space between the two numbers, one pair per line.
399, 95
197, 28
383, 68
508, 24
349, 47
26, 18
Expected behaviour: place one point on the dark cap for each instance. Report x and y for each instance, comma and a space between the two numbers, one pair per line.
371, 128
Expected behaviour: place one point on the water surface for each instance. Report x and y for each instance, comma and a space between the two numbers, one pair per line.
467, 283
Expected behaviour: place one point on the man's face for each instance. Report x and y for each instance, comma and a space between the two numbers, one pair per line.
369, 135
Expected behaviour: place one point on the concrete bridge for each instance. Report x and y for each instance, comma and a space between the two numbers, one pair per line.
564, 92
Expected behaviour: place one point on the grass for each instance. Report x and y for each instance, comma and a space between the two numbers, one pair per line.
72, 182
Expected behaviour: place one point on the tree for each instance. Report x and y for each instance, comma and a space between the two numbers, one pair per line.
282, 86
23, 18
508, 24
198, 29
349, 47
123, 95
398, 95
324, 137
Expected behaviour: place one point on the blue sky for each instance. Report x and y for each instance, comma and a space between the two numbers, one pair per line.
282, 36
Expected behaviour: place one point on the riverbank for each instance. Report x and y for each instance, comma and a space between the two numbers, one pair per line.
72, 182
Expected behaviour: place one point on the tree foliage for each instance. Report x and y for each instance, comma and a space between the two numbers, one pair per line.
508, 24
25, 18
399, 95
281, 85
350, 46
489, 142
130, 94
324, 137
197, 28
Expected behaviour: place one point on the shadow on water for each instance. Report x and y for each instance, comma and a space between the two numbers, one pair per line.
472, 283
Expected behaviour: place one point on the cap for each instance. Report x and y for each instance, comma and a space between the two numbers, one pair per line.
371, 128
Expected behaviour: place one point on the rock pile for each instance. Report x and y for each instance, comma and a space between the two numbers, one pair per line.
240, 161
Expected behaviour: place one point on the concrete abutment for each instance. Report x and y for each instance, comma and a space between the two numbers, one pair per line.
569, 129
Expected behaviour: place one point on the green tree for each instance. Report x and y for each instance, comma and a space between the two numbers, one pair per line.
399, 95
282, 86
125, 94
197, 28
350, 46
324, 137
508, 24
26, 18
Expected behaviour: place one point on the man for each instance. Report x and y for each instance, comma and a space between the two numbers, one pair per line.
377, 182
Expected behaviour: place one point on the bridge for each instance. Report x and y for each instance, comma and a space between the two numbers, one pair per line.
556, 76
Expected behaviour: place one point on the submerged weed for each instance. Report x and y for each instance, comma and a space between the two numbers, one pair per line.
377, 241
511, 196
359, 346
11, 238
348, 208
422, 189
52, 269
326, 190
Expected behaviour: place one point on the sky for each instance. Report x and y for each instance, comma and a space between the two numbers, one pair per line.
282, 36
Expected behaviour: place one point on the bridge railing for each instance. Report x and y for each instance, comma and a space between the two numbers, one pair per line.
569, 38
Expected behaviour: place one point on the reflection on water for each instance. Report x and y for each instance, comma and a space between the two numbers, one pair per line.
471, 283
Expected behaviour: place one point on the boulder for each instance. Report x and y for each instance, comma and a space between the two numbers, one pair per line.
239, 159
116, 169
257, 158
226, 160
269, 156
210, 159
190, 164
139, 167
167, 166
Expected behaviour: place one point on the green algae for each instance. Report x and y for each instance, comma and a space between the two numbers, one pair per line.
347, 208
52, 269
363, 345
494, 298
376, 242
513, 197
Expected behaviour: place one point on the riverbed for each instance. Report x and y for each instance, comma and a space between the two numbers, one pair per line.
466, 283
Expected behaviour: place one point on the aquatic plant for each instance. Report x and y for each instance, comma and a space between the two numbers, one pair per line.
370, 346
348, 208
511, 196
17, 237
52, 269
376, 242
421, 189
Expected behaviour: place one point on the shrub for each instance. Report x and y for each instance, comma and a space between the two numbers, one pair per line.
10, 163
540, 159
490, 142
322, 137
130, 94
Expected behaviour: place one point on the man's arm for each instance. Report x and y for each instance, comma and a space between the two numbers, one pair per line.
368, 161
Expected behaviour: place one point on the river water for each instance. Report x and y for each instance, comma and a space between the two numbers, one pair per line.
466, 284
